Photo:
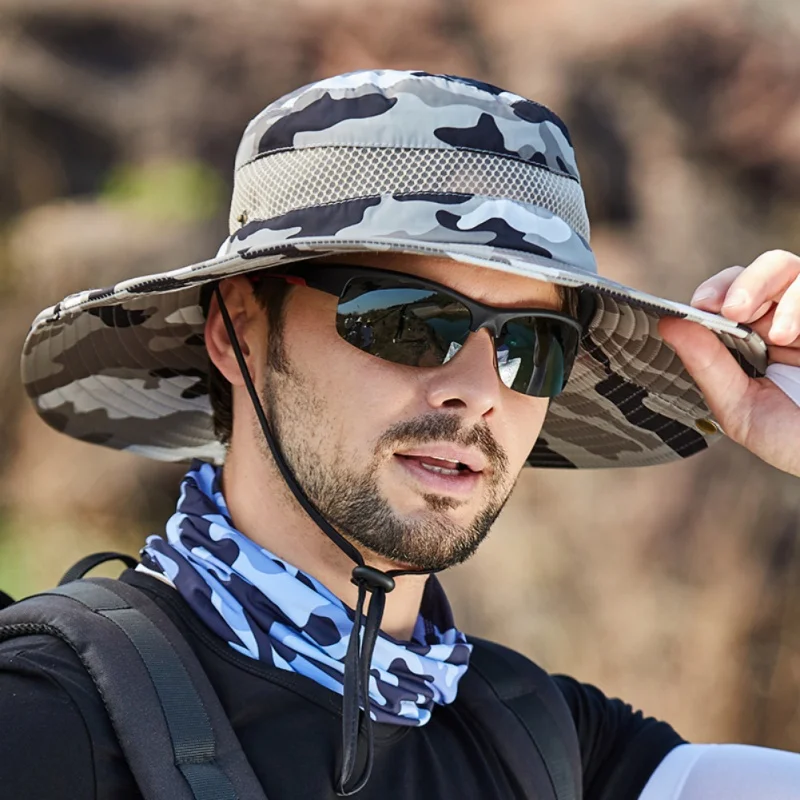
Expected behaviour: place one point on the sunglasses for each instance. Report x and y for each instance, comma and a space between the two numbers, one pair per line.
419, 323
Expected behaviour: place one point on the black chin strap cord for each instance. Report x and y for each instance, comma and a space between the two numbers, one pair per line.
368, 579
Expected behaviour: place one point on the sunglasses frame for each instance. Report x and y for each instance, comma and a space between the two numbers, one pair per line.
334, 278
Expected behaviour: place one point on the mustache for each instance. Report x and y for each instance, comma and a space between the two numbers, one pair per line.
439, 427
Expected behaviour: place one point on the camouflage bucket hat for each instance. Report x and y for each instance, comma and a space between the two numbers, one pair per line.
384, 161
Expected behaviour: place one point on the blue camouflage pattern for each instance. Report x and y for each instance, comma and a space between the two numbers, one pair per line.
271, 611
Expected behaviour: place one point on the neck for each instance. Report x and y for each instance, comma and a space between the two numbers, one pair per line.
263, 509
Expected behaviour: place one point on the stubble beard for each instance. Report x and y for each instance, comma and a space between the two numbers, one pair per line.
351, 500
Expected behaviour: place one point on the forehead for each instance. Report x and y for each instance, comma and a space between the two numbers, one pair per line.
483, 284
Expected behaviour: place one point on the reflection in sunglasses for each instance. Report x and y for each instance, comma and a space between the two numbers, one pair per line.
508, 369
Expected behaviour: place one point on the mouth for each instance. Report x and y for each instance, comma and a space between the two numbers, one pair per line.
440, 475
446, 456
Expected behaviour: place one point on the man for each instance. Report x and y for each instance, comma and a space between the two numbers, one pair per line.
407, 312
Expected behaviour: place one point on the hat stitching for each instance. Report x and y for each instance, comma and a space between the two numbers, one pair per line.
445, 147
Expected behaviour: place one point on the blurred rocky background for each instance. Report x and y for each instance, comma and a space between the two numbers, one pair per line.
675, 587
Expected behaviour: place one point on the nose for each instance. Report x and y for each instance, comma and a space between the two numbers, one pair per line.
469, 382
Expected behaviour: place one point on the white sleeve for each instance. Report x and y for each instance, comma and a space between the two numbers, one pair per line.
725, 772
787, 379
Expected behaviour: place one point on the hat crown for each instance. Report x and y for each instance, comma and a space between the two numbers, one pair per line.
407, 135
413, 109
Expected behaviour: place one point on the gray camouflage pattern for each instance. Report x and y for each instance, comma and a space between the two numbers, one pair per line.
126, 366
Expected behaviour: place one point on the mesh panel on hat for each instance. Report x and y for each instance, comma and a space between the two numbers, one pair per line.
293, 179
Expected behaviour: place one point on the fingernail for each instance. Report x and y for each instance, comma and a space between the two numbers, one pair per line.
736, 299
702, 294
783, 326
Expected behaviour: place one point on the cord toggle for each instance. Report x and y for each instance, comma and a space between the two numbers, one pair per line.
372, 579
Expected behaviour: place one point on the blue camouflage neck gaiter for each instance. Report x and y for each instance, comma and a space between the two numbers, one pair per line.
270, 611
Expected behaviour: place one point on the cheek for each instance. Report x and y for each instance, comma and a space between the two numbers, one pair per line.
522, 424
367, 395
362, 395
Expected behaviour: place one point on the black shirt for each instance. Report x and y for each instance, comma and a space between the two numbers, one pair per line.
56, 740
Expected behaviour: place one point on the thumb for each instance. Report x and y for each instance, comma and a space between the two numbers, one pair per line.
725, 386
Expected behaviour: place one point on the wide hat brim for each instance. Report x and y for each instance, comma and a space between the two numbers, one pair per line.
126, 367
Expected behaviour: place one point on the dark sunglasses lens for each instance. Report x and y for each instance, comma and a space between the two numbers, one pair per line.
535, 355
402, 323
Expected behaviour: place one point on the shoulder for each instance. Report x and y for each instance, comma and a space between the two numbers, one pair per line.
41, 661
491, 655
513, 675
620, 745
62, 734
33, 650
40, 703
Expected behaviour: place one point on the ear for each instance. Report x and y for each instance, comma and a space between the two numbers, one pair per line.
249, 322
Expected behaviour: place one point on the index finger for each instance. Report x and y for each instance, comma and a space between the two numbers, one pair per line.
710, 294
763, 281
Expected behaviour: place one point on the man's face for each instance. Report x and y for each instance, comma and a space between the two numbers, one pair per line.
380, 448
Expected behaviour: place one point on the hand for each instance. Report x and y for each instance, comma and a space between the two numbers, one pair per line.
753, 412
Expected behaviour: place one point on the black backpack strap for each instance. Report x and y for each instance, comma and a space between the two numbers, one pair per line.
541, 714
170, 723
88, 563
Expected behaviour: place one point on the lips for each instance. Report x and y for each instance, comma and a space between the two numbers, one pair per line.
440, 476
441, 466
445, 457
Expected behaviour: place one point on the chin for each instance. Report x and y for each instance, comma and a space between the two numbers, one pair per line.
414, 502
435, 510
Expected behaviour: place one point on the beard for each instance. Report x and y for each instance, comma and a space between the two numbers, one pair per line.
351, 499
